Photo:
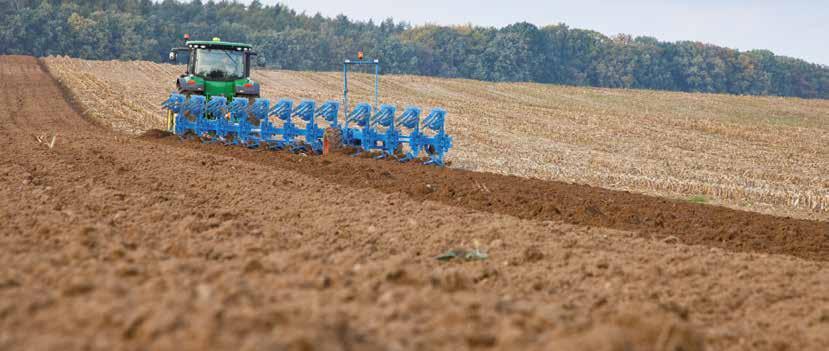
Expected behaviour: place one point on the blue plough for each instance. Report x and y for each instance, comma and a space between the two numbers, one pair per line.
381, 131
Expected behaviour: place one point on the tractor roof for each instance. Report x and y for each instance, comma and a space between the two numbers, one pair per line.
218, 44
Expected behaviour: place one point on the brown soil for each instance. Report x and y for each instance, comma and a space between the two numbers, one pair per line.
534, 199
111, 242
156, 134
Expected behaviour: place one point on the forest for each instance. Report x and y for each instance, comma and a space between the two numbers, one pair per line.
287, 39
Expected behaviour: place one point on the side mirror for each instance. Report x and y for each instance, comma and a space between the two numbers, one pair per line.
172, 56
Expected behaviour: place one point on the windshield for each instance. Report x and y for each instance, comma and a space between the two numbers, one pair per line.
216, 64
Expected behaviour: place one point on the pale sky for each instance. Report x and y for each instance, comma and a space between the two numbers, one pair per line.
797, 28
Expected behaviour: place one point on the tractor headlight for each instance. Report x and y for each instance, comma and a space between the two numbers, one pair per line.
185, 84
248, 89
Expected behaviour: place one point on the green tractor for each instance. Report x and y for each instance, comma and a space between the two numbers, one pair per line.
215, 68
216, 101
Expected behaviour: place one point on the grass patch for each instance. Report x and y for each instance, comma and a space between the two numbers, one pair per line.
698, 199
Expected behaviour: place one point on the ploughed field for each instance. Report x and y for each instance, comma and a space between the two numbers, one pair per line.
117, 241
765, 154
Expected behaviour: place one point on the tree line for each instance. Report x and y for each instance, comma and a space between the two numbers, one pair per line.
146, 30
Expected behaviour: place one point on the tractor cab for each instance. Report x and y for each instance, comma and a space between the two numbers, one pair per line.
216, 68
